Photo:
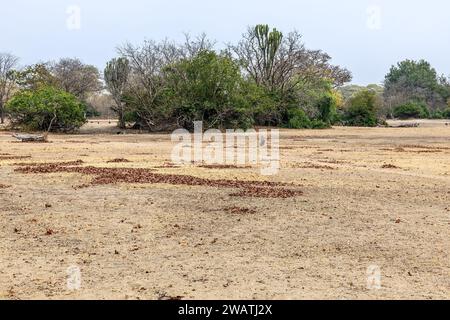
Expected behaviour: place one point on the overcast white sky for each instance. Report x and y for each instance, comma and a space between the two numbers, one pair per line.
366, 36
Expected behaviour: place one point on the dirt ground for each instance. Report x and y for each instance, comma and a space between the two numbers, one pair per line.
369, 197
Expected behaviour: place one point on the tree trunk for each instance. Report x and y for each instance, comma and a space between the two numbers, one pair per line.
2, 115
122, 124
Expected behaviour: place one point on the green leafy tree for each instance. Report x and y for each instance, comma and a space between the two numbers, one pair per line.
116, 77
206, 88
46, 108
415, 81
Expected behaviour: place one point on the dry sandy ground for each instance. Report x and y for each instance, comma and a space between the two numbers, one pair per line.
371, 197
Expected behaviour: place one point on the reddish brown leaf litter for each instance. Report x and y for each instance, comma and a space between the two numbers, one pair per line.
417, 149
222, 166
264, 192
54, 164
9, 157
238, 210
418, 146
167, 165
119, 160
104, 176
389, 166
4, 186
309, 165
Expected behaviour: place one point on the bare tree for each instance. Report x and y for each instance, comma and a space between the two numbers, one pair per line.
7, 64
76, 77
282, 62
147, 64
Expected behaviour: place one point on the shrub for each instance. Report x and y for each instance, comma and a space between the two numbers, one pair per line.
319, 124
46, 108
362, 110
436, 115
411, 110
446, 113
298, 119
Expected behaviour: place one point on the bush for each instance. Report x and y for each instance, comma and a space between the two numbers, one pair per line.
436, 115
446, 113
319, 124
362, 110
46, 108
298, 119
411, 110
91, 112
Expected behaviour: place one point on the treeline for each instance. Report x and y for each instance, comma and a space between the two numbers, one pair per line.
412, 89
266, 79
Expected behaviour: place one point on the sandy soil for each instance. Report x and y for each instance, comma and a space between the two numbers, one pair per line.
370, 197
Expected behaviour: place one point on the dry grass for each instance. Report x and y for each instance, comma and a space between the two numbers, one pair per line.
149, 229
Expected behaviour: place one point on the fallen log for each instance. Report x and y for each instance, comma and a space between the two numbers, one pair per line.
30, 137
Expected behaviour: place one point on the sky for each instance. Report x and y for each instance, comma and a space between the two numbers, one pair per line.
365, 36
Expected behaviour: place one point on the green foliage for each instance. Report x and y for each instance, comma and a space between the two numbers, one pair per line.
46, 108
416, 81
327, 107
298, 119
35, 77
413, 74
362, 110
269, 43
446, 113
411, 110
350, 90
207, 88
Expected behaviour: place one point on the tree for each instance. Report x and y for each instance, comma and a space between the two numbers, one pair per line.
206, 88
35, 77
280, 62
8, 63
116, 78
291, 75
46, 108
415, 81
75, 77
146, 84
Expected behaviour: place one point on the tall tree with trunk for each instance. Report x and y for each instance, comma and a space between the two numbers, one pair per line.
75, 77
116, 78
7, 73
281, 62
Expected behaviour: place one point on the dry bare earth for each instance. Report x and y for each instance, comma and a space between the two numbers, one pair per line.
370, 197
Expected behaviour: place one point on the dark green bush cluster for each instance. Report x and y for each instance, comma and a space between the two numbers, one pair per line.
362, 110
446, 113
46, 108
411, 110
